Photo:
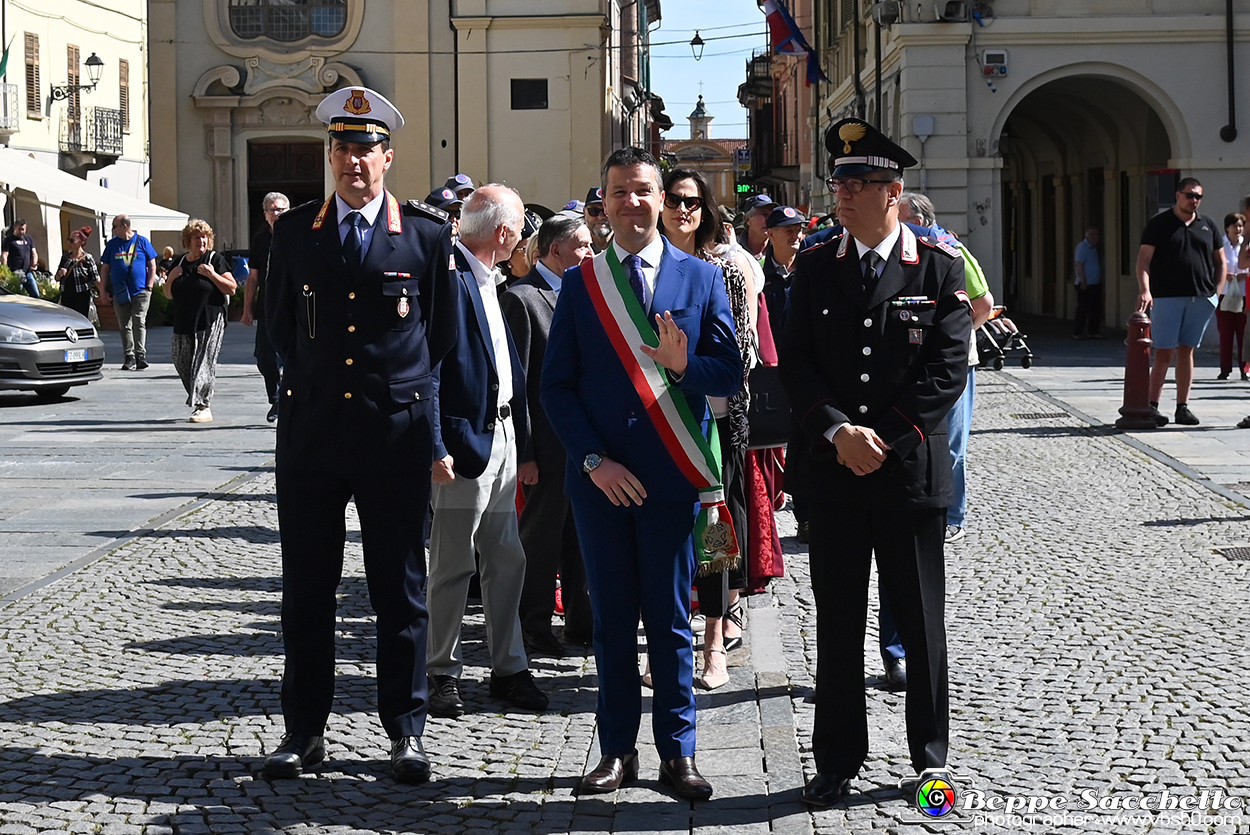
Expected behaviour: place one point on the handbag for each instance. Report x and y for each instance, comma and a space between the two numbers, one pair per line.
769, 410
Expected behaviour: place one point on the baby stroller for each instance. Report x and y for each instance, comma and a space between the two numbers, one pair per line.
998, 336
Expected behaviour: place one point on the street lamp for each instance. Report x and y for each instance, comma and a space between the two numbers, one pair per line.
696, 45
95, 66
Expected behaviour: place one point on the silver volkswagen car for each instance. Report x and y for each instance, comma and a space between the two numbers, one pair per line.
46, 348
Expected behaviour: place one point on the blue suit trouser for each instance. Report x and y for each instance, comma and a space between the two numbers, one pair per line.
960, 424
640, 562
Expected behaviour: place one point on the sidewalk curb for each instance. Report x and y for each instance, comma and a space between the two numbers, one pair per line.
149, 527
1121, 435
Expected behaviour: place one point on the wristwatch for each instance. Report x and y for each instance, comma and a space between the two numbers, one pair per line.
590, 462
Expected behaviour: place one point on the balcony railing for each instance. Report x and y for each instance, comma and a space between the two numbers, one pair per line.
99, 131
10, 118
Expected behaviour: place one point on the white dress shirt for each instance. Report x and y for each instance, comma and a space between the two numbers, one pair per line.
487, 279
883, 249
369, 213
650, 255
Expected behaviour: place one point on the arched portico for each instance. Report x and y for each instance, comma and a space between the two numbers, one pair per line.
1083, 145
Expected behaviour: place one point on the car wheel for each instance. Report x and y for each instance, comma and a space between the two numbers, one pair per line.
52, 393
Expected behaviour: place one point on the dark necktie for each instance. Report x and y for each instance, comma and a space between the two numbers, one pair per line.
353, 243
636, 282
870, 260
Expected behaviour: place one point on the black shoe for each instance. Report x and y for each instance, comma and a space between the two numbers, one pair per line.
1245, 377
129, 364
1223, 375
803, 536
896, 675
576, 638
542, 644
825, 789
683, 777
518, 690
445, 697
1185, 417
140, 364
612, 772
408, 760
1160, 418
294, 754
272, 417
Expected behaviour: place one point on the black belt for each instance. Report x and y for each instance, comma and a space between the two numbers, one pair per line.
505, 411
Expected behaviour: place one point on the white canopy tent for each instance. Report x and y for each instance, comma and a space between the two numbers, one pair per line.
55, 189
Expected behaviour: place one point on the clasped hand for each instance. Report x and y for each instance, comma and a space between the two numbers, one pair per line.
860, 448
617, 483
671, 352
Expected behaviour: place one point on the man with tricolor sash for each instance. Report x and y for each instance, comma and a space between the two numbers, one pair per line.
641, 335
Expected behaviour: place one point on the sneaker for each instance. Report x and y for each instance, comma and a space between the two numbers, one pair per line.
201, 415
272, 417
1245, 377
1222, 376
1160, 419
129, 364
954, 533
140, 364
1185, 417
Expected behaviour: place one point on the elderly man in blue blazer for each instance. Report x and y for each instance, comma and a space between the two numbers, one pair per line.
641, 335
482, 407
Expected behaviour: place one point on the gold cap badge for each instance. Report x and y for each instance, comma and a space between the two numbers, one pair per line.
851, 132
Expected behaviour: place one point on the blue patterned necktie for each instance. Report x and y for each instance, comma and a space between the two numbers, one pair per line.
636, 282
353, 243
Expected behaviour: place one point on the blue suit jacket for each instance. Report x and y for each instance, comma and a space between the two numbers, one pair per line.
468, 384
590, 401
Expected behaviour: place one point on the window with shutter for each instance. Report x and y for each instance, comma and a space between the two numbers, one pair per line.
123, 94
34, 101
73, 112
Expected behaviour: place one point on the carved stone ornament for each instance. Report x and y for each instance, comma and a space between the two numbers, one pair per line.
217, 27
312, 74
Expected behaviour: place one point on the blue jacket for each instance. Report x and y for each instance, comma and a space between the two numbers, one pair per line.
468, 383
589, 399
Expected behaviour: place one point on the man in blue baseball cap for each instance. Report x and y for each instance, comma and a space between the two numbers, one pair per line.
597, 220
461, 184
754, 219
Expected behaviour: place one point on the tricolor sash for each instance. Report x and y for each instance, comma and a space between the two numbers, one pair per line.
698, 458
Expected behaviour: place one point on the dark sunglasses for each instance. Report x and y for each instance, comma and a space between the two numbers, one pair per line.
691, 204
1192, 195
595, 211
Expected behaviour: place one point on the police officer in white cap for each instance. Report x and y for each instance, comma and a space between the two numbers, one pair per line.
360, 306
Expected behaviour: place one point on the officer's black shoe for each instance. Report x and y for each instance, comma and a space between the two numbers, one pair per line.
408, 760
537, 643
294, 754
445, 697
825, 790
896, 675
581, 640
272, 417
519, 690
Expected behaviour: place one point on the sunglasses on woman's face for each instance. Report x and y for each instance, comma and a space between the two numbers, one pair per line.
676, 201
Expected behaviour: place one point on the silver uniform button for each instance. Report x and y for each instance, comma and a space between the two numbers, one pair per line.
868, 323
824, 312
863, 378
867, 351
863, 410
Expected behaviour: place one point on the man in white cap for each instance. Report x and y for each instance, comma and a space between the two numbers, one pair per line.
361, 307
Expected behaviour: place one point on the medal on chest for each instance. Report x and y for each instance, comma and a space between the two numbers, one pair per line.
403, 307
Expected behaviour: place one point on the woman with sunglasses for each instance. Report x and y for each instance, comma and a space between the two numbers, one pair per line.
691, 221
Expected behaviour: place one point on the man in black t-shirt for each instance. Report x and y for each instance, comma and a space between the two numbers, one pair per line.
18, 253
267, 359
1180, 271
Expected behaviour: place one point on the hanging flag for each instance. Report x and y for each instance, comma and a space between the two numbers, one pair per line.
787, 39
4, 62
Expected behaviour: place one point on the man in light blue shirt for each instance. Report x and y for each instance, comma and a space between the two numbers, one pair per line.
1088, 268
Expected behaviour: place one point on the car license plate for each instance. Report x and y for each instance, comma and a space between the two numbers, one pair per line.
76, 356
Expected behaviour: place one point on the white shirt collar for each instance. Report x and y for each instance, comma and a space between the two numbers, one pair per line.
884, 248
650, 254
554, 281
486, 276
369, 211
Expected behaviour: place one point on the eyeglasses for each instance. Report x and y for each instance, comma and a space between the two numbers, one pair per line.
276, 210
595, 211
1192, 195
851, 185
676, 201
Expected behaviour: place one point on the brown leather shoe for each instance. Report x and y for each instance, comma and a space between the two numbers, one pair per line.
612, 772
683, 777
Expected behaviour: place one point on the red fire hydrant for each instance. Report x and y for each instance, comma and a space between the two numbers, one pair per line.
1136, 412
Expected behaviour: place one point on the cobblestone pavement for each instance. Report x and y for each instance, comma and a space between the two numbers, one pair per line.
1098, 642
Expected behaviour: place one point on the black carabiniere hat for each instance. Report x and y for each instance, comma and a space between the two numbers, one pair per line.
858, 148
